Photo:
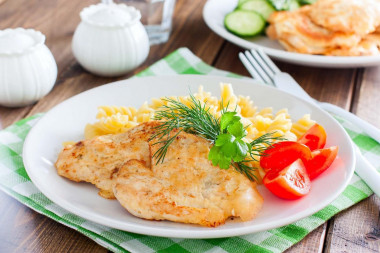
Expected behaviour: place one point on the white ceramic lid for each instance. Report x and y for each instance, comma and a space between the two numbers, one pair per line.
110, 15
19, 41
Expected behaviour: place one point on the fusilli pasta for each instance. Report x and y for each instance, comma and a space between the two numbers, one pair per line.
118, 119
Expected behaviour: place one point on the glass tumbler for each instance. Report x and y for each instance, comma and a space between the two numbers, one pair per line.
156, 16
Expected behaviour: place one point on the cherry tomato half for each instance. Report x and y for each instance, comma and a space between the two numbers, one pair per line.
282, 154
321, 160
314, 138
289, 183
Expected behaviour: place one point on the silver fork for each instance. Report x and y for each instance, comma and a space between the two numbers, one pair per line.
262, 68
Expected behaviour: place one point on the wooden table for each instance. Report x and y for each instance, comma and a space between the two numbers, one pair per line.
358, 90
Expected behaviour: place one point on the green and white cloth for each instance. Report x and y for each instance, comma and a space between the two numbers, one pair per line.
15, 182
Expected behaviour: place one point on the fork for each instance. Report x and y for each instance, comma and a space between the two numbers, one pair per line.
263, 69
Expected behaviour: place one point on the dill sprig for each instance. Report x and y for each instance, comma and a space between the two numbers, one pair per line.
246, 170
196, 119
226, 133
258, 146
262, 143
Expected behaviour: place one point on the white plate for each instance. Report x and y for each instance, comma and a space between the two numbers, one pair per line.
214, 12
67, 120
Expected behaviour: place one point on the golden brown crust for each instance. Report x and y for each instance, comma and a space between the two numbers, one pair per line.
149, 197
297, 31
97, 160
186, 187
329, 27
369, 45
348, 16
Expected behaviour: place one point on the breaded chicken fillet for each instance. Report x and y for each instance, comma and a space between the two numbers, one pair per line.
297, 33
97, 160
329, 27
186, 187
348, 16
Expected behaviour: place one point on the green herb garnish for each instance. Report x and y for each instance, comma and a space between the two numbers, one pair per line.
226, 133
229, 145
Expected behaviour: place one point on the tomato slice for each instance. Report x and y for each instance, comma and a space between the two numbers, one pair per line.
289, 183
314, 138
282, 154
321, 160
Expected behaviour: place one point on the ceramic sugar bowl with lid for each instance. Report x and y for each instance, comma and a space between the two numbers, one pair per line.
28, 70
110, 40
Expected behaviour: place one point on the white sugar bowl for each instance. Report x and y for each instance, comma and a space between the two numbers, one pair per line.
28, 70
110, 40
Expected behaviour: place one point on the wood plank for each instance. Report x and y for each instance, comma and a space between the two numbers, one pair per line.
56, 19
335, 86
367, 99
23, 230
10, 115
312, 243
358, 228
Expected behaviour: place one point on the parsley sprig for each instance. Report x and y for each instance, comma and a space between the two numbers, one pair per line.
229, 145
226, 133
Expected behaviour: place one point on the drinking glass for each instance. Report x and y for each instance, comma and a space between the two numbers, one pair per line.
156, 16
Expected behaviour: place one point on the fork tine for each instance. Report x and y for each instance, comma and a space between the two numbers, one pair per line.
250, 68
266, 70
268, 61
255, 64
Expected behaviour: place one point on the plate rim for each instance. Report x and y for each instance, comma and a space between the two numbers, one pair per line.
173, 232
291, 57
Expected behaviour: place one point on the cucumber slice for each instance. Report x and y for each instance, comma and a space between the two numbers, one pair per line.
307, 1
279, 4
244, 23
293, 5
260, 6
285, 5
242, 1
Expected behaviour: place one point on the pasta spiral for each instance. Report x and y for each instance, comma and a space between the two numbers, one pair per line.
118, 119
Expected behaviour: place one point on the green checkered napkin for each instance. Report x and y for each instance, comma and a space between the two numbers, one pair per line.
15, 181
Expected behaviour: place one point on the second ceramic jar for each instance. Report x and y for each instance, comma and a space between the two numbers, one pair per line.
110, 40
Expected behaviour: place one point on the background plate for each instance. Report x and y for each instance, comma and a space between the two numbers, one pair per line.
215, 10
67, 120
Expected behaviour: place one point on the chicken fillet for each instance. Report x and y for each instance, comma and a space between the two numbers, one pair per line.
186, 187
97, 160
